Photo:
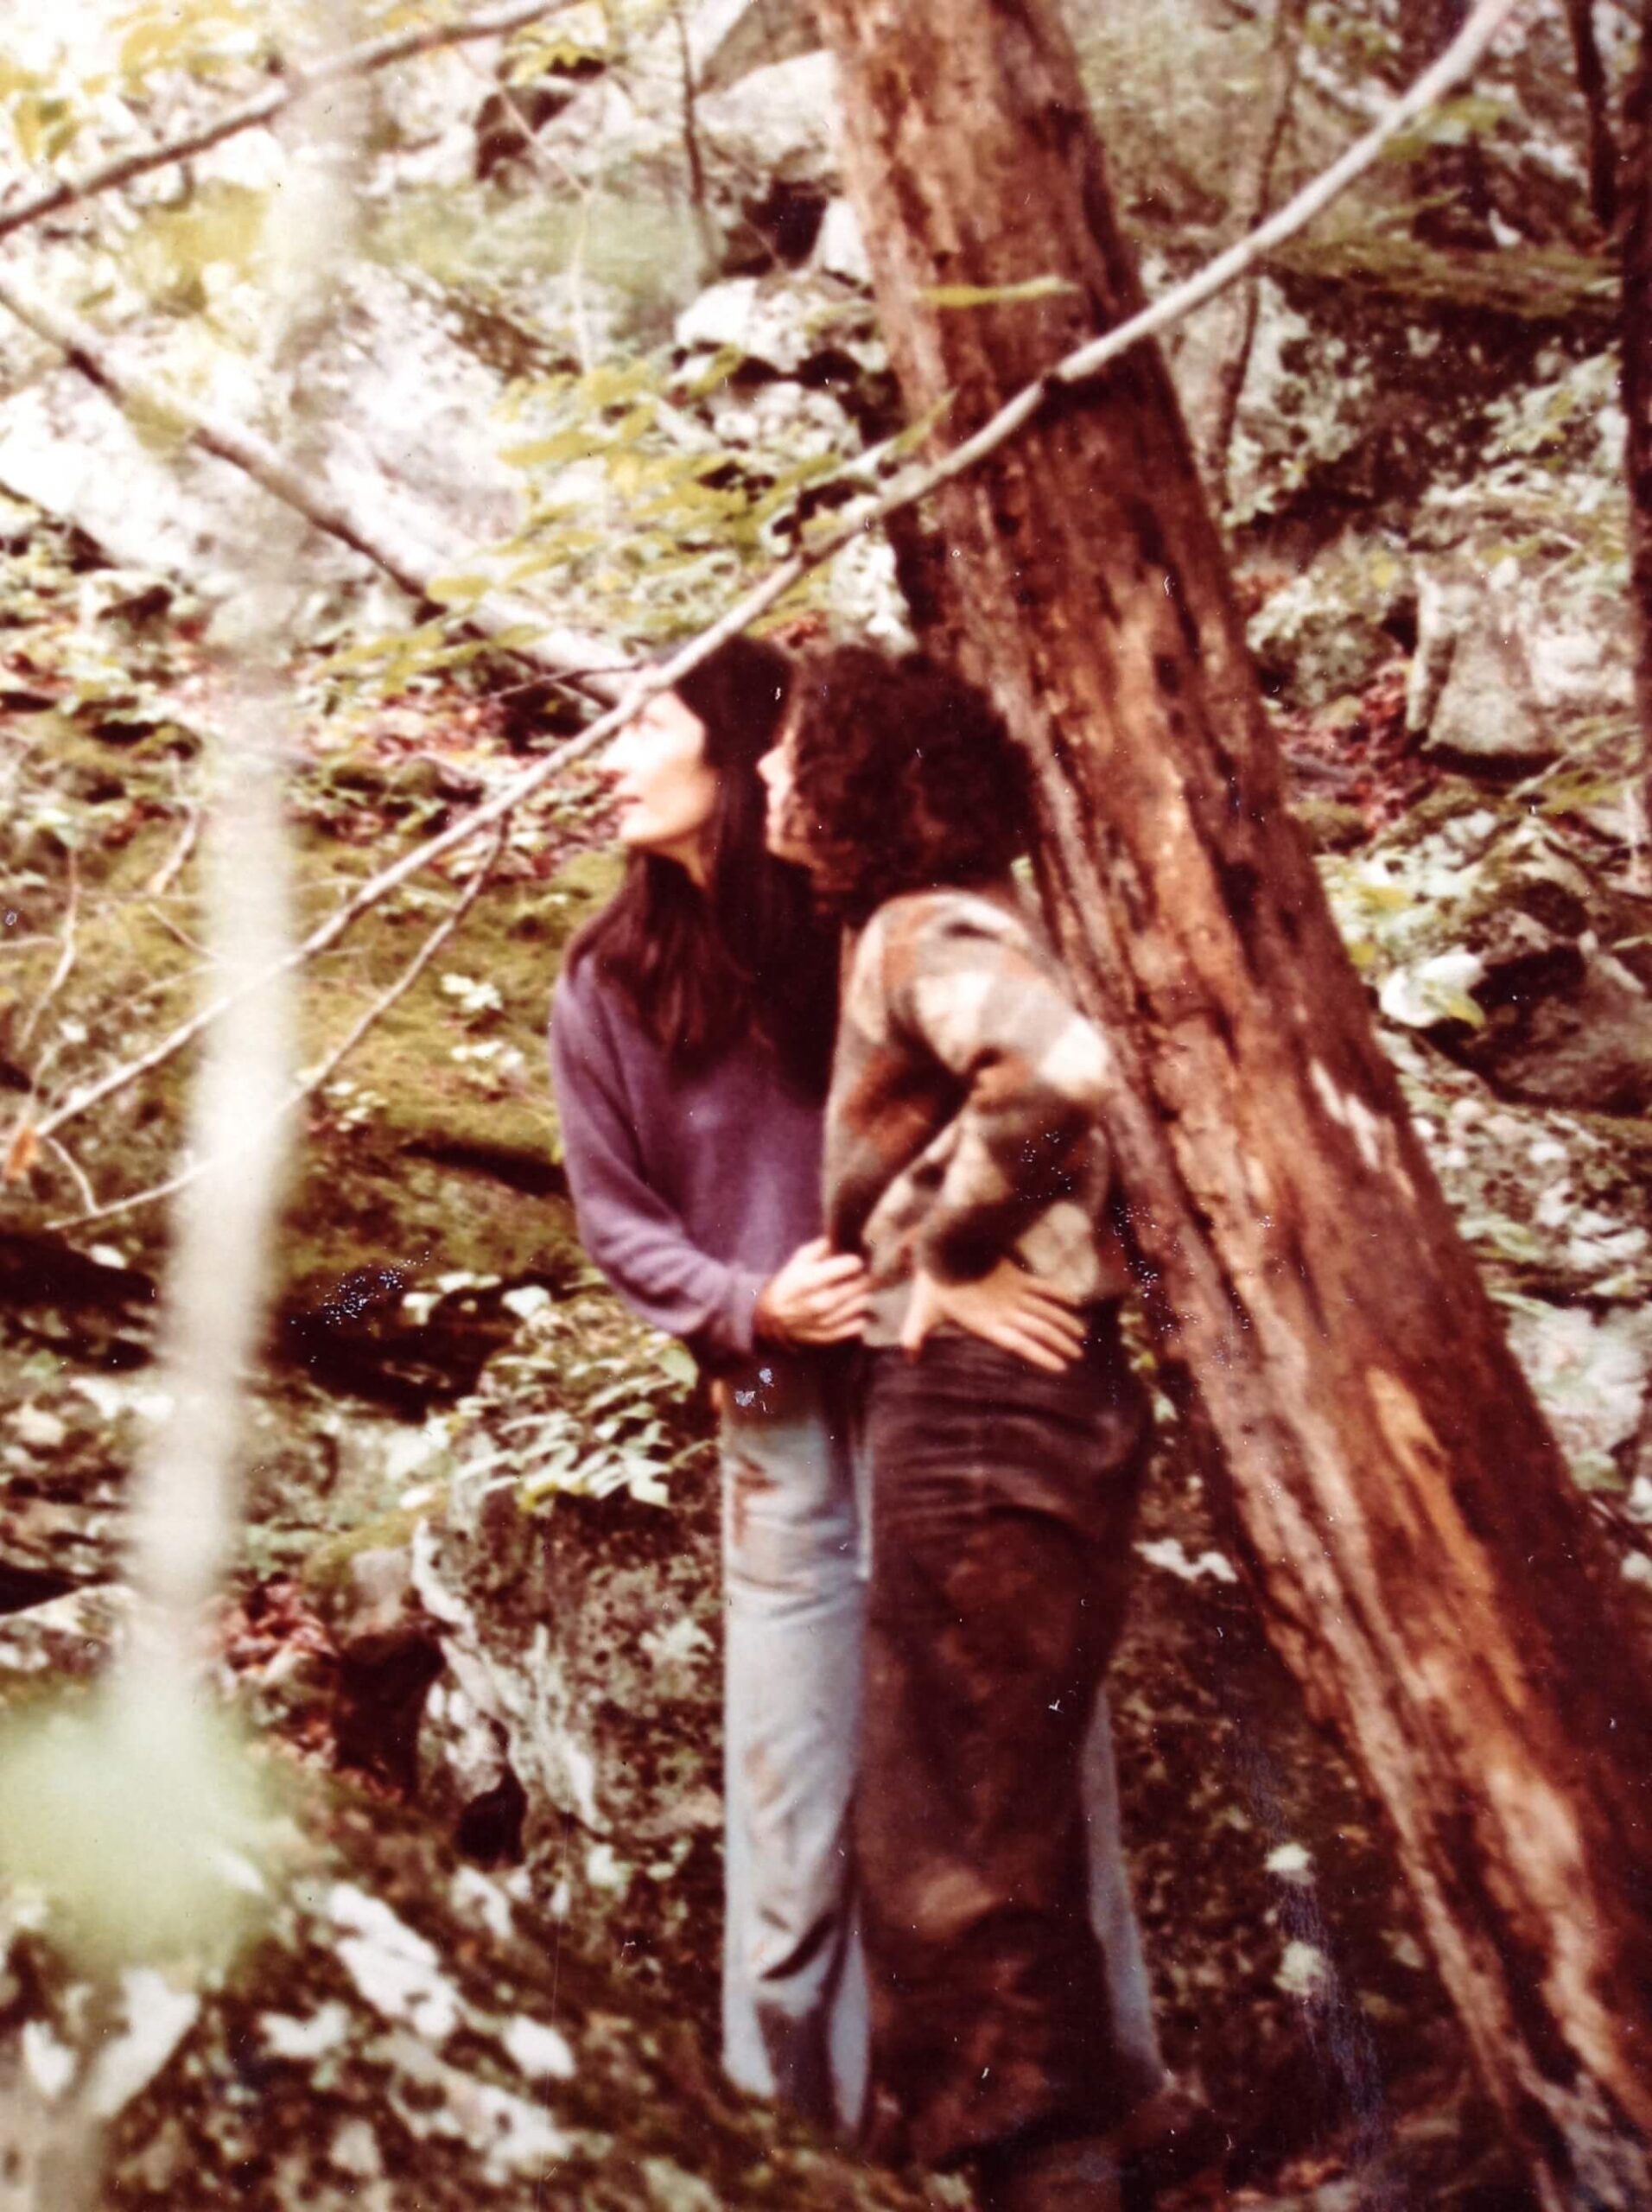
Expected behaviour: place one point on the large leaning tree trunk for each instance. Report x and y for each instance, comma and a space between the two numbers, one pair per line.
1426, 1565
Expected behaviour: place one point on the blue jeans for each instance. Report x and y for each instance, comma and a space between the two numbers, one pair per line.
794, 1985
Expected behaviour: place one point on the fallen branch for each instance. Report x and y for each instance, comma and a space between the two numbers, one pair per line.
357, 62
312, 1078
415, 567
912, 486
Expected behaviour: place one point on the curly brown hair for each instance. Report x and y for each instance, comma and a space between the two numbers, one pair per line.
904, 778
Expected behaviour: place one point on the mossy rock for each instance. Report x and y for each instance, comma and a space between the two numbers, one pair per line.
1329, 826
406, 2031
434, 1152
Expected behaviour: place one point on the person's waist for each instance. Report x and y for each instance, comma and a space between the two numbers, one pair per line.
1097, 1305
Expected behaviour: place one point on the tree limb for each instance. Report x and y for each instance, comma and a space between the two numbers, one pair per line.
312, 1079
912, 486
357, 62
414, 566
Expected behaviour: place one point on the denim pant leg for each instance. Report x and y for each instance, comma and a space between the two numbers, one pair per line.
794, 1994
1112, 1909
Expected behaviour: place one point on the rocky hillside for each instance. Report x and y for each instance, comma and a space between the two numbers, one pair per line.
474, 1617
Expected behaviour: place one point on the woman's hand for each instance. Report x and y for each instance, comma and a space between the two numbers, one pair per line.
819, 1297
1009, 1308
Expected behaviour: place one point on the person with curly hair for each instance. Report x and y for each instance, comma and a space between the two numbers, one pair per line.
691, 1041
967, 1164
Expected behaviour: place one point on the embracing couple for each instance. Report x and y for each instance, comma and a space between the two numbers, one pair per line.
883, 1229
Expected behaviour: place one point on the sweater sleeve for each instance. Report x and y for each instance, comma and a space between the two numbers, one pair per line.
1032, 1072
630, 1232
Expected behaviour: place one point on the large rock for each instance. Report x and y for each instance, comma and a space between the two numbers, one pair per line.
778, 122
1487, 932
1306, 407
402, 2030
1506, 678
584, 1639
410, 443
1322, 636
730, 39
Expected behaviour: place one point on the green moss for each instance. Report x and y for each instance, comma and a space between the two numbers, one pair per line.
1331, 826
326, 1570
1541, 284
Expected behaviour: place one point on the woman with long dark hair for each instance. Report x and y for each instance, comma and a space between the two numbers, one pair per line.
691, 1034
966, 1162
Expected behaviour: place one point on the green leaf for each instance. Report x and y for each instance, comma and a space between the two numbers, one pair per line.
459, 591
993, 295
679, 1365
1455, 1005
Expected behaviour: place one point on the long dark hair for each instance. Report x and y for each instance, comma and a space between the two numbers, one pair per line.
704, 968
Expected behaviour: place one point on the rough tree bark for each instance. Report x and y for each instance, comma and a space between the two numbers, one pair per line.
1638, 370
1427, 1568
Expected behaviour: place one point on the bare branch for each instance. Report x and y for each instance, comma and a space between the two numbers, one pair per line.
358, 61
164, 877
1256, 195
691, 148
61, 972
312, 1079
77, 1175
414, 566
912, 486
1597, 101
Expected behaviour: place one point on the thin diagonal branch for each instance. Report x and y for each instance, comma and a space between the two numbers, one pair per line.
312, 1080
357, 62
415, 567
912, 486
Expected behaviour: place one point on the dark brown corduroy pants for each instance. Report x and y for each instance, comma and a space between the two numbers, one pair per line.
1003, 1500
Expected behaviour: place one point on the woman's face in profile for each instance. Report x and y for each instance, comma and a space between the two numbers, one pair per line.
664, 786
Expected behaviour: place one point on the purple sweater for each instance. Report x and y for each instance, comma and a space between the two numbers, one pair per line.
690, 1190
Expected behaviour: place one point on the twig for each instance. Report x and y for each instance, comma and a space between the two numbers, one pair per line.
324, 1070
1284, 59
177, 930
65, 966
312, 1078
913, 484
1597, 103
357, 62
164, 877
77, 1175
697, 193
